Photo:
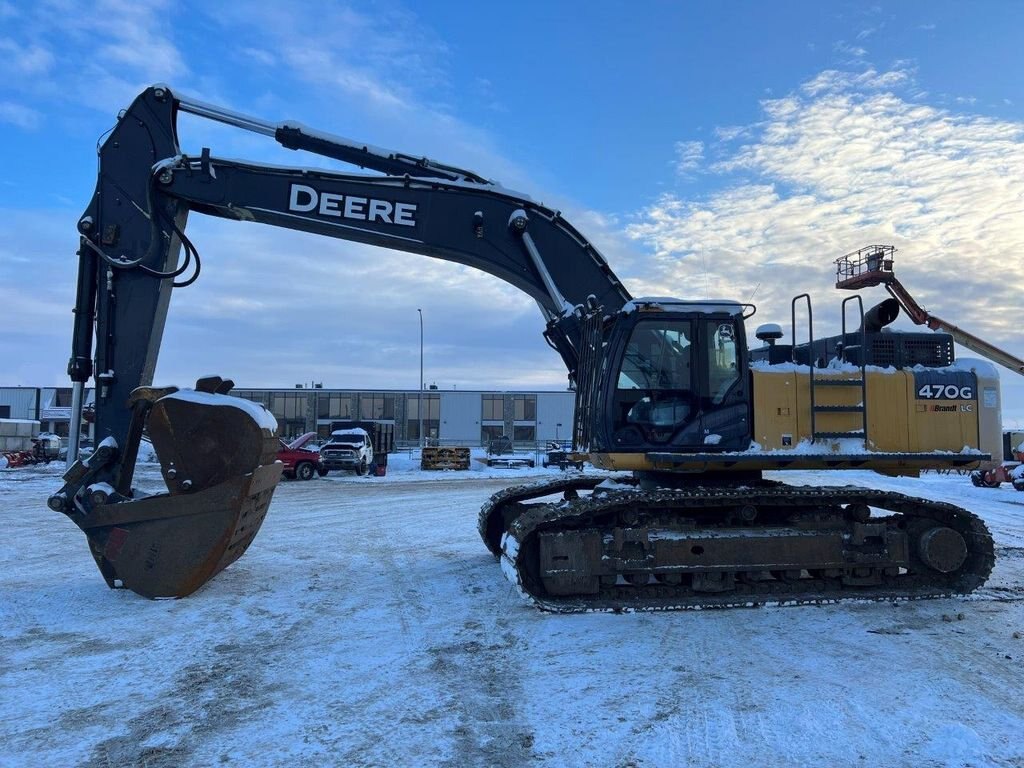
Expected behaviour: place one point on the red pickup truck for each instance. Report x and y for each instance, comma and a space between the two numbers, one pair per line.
299, 462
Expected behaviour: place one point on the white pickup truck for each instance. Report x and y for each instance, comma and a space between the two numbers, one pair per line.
348, 449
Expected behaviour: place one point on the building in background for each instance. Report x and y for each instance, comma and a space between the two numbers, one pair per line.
50, 406
454, 417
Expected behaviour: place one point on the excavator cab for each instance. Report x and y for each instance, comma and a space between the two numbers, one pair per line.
675, 379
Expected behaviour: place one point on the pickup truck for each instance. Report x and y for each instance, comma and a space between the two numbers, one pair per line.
299, 462
348, 449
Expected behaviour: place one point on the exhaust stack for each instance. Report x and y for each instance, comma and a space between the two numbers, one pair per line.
880, 315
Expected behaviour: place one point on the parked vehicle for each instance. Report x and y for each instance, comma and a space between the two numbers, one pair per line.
382, 438
560, 455
502, 453
45, 448
1010, 471
348, 449
300, 463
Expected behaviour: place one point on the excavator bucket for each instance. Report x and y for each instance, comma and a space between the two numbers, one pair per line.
217, 456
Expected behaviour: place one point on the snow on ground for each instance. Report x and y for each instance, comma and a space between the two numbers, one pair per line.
368, 626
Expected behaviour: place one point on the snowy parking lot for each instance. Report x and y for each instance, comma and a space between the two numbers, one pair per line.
368, 626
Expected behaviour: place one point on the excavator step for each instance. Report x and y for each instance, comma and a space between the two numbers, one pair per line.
858, 433
831, 382
839, 408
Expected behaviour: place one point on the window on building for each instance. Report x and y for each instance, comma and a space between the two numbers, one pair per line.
431, 428
263, 398
291, 428
431, 407
431, 415
289, 406
490, 432
493, 408
524, 434
62, 397
335, 406
5, 411
524, 407
376, 405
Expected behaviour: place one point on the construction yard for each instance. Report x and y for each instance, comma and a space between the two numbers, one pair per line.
367, 626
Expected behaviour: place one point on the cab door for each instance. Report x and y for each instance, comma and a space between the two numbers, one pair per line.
724, 400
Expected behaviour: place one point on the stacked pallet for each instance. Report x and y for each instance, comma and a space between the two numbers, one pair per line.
438, 457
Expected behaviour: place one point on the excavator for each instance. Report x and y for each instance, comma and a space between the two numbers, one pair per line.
667, 393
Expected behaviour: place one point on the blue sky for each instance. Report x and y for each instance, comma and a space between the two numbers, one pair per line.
708, 149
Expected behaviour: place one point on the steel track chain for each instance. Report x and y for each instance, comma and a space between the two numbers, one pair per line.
603, 507
498, 511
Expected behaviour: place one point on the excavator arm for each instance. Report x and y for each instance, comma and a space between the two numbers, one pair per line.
131, 257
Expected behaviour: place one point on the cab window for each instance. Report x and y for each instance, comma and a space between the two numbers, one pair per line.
723, 364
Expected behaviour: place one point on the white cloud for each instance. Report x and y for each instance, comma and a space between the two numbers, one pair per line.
259, 55
841, 164
18, 60
869, 79
689, 156
847, 49
290, 302
386, 59
19, 115
732, 132
95, 56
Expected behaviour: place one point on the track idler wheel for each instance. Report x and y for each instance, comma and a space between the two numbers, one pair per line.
217, 455
942, 549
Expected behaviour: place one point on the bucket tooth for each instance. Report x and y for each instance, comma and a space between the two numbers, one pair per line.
214, 385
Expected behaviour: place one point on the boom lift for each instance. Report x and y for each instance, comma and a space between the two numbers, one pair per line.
873, 265
666, 390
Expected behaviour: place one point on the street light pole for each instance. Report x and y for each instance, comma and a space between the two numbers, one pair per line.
419, 400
